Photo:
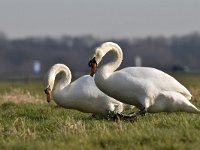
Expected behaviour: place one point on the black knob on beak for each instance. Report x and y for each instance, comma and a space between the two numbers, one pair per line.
91, 62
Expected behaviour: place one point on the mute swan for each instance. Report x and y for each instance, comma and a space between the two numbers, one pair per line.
82, 94
148, 89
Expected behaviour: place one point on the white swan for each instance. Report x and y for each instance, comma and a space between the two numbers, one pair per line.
148, 89
82, 94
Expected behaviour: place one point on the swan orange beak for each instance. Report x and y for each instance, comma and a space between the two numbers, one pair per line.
93, 64
93, 69
48, 93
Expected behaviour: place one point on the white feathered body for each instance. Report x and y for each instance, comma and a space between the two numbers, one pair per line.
83, 95
143, 87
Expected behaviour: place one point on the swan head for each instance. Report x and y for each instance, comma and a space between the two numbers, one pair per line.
48, 93
101, 51
97, 57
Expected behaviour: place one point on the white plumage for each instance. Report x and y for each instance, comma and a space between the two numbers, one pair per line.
82, 94
148, 89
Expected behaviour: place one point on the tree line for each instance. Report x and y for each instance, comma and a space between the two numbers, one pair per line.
18, 55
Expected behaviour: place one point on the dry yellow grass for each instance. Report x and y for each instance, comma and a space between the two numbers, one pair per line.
21, 96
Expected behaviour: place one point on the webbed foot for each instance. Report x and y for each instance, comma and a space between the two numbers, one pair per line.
119, 116
141, 112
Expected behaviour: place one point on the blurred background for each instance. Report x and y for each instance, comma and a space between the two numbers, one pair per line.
35, 34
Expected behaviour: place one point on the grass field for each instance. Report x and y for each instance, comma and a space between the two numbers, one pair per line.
28, 122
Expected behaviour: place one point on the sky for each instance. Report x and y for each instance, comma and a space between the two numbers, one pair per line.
102, 19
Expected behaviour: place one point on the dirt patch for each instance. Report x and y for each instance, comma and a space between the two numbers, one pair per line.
21, 96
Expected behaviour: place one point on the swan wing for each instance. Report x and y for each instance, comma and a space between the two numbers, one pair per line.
162, 81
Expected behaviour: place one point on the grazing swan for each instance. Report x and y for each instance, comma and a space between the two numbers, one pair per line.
82, 94
148, 89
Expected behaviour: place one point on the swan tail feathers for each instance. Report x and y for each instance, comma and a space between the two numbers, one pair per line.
196, 111
192, 109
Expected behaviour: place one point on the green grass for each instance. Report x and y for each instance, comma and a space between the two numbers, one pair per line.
47, 126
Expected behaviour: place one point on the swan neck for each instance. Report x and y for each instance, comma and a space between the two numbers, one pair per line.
116, 62
65, 76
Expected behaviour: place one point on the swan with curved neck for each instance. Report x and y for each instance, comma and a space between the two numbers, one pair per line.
148, 89
82, 94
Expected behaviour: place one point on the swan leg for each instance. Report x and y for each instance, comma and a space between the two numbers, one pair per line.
142, 112
130, 116
120, 116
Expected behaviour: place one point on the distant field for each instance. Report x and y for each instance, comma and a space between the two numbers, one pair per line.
28, 122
